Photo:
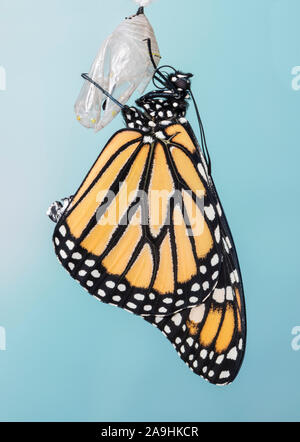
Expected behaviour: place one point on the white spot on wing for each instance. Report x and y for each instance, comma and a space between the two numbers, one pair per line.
179, 303
215, 275
224, 374
215, 260
219, 295
228, 242
160, 135
229, 293
63, 254
202, 171
131, 305
90, 262
236, 276
62, 230
168, 300
205, 285
190, 341
217, 234
225, 246
193, 299
177, 319
70, 244
195, 287
232, 354
148, 139
197, 313
210, 212
219, 359
203, 354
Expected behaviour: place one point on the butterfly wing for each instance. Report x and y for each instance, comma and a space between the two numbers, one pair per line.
153, 259
150, 256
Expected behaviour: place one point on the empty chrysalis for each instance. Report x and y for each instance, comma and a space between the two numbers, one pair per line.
122, 65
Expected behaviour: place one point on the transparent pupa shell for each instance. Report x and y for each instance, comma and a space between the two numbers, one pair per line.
122, 65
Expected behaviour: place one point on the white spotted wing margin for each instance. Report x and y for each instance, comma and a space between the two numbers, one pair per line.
210, 338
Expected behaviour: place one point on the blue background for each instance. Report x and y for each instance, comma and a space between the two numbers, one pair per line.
69, 357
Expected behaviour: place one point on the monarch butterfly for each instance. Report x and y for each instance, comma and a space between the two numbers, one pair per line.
149, 257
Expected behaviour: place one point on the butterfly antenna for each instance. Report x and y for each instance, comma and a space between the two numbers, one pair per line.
162, 77
202, 135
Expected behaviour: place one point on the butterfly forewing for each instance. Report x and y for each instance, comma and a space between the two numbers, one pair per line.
140, 232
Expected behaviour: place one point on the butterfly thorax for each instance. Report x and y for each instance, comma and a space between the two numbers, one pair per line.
158, 111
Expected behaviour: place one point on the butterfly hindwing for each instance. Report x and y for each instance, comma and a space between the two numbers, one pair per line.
211, 337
